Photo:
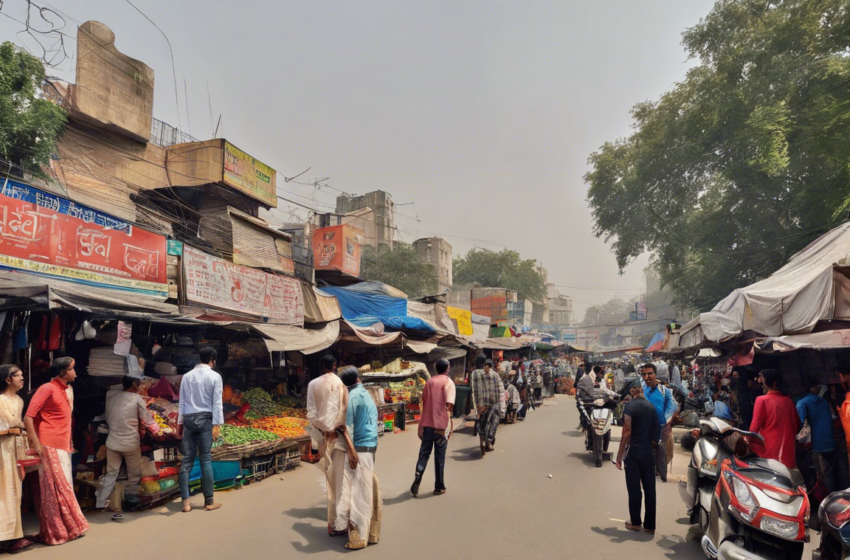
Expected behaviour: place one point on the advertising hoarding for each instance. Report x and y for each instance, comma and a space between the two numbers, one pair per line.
217, 283
52, 236
336, 248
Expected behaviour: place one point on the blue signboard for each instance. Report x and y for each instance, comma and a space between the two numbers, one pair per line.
20, 191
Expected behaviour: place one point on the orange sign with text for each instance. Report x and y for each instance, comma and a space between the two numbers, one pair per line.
337, 248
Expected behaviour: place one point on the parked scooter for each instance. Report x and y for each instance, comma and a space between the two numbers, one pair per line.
598, 415
747, 507
834, 516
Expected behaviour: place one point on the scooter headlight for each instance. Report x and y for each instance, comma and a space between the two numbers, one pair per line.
779, 527
746, 505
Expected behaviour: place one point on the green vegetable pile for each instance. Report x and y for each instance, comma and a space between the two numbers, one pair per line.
262, 403
237, 435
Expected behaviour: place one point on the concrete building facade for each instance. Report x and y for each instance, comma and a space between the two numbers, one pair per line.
381, 213
438, 253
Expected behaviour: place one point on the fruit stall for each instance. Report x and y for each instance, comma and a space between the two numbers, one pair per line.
396, 389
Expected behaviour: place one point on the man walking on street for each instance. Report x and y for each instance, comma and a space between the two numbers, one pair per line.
327, 402
360, 505
125, 410
641, 434
816, 409
438, 399
200, 417
486, 390
48, 424
665, 405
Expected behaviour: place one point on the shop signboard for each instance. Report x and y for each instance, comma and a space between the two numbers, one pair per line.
463, 318
249, 175
217, 283
175, 247
52, 236
336, 248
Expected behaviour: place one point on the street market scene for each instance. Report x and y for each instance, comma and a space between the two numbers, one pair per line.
517, 279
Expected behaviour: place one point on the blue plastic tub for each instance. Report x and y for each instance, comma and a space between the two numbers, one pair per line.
222, 470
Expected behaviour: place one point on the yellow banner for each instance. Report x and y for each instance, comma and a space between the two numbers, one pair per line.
463, 318
249, 175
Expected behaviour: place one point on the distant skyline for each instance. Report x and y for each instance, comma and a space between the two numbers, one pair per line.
481, 113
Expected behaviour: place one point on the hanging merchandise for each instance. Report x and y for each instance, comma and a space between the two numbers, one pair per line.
54, 334
123, 340
21, 338
41, 342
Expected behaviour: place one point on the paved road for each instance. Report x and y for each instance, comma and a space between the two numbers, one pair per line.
502, 506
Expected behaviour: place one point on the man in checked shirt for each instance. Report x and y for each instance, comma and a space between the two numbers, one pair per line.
487, 389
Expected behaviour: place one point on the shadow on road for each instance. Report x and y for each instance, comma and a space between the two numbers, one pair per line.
574, 433
620, 535
317, 539
405, 496
320, 513
676, 547
468, 454
588, 459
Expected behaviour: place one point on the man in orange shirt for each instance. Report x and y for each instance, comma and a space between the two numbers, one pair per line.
48, 423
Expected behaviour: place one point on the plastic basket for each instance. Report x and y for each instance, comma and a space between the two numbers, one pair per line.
222, 470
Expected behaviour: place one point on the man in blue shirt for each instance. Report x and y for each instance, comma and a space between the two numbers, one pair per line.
721, 409
360, 506
814, 408
200, 416
665, 405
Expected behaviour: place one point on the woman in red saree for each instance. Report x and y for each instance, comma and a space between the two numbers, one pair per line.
48, 423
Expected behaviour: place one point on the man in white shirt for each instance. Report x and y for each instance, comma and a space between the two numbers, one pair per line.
675, 374
327, 404
125, 409
200, 417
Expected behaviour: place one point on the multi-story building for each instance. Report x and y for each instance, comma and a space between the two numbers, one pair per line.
560, 307
375, 207
438, 253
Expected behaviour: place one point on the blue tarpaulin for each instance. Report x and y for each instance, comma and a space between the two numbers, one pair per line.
364, 309
659, 337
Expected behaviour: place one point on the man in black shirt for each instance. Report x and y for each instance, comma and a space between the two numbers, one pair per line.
641, 434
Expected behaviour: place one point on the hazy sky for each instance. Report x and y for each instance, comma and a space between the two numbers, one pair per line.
481, 113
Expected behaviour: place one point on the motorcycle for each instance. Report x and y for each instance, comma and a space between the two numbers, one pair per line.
598, 415
747, 507
834, 516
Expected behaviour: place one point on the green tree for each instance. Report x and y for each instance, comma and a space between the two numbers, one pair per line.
29, 124
742, 163
612, 312
504, 269
400, 268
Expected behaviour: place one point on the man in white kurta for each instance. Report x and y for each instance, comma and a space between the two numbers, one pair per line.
327, 402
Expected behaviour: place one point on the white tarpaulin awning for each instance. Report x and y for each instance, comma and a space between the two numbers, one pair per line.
285, 338
420, 346
793, 299
58, 294
825, 340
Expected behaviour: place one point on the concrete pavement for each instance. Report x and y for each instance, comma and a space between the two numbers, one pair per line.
502, 506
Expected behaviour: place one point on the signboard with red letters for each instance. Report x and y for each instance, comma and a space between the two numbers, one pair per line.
221, 284
52, 236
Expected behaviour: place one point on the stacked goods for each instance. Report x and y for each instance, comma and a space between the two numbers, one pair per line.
164, 428
261, 404
165, 414
283, 427
293, 407
237, 435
